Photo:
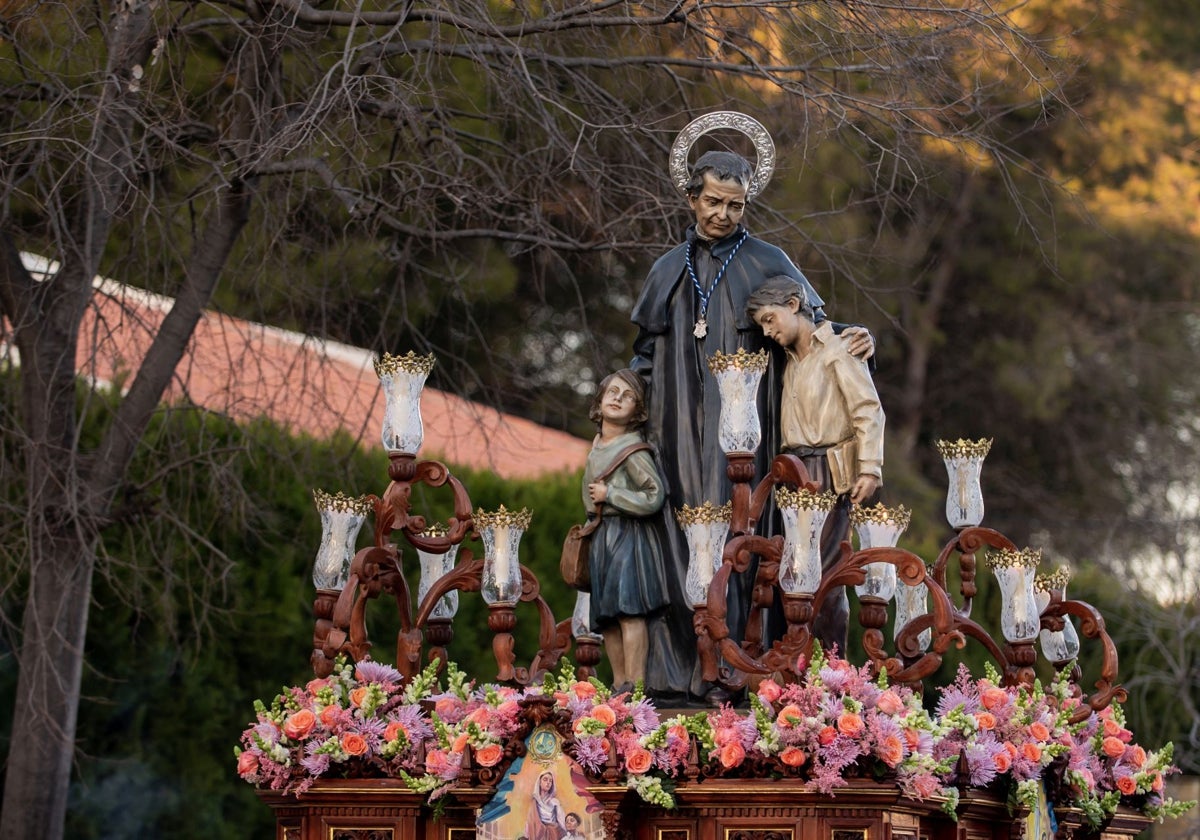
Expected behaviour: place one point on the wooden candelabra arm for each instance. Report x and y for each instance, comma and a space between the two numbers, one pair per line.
966, 543
1092, 626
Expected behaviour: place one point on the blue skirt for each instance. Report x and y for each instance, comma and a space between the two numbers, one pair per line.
627, 570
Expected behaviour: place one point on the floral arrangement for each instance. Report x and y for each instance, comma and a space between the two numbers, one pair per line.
836, 722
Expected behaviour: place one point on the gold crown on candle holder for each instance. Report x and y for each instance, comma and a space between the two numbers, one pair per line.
964, 448
802, 499
435, 530
705, 514
898, 516
410, 363
1056, 581
502, 517
341, 503
1007, 558
741, 360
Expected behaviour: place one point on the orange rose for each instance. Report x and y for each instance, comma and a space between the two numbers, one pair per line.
891, 750
489, 755
583, 690
460, 742
1156, 784
480, 716
793, 757
394, 730
299, 725
789, 716
247, 763
358, 695
1011, 748
329, 716
732, 755
313, 686
827, 736
985, 720
850, 724
1039, 730
446, 706
354, 744
1111, 727
1002, 760
678, 731
605, 745
604, 714
1127, 785
993, 697
638, 760
889, 703
1113, 747
1137, 756
1031, 751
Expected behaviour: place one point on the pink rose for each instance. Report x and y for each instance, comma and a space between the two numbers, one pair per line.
725, 735
890, 703
247, 763
769, 691
313, 686
299, 725
827, 736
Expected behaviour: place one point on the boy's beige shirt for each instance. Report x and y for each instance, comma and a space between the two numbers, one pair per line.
828, 397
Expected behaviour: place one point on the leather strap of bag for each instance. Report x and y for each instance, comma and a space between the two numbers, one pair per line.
593, 524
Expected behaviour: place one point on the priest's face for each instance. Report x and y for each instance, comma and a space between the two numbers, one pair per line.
718, 207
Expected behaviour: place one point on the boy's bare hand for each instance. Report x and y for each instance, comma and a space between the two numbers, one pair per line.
598, 492
864, 488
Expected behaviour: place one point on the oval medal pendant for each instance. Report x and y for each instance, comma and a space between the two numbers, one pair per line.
701, 329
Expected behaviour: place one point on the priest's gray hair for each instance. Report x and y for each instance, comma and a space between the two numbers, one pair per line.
724, 166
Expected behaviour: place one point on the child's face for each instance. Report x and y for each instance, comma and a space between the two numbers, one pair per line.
572, 822
619, 402
783, 324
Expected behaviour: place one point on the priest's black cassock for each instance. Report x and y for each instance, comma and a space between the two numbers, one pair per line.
685, 406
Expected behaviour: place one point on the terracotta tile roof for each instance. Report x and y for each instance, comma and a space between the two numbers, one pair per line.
247, 370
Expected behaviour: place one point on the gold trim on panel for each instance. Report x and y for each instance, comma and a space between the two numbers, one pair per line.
849, 834
679, 832
758, 832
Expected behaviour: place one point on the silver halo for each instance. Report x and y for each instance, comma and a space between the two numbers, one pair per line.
764, 147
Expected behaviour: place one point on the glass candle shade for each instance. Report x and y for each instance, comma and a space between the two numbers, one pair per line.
879, 527
804, 516
1020, 618
433, 567
581, 617
501, 531
1057, 645
964, 496
403, 378
341, 518
705, 528
912, 602
737, 378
